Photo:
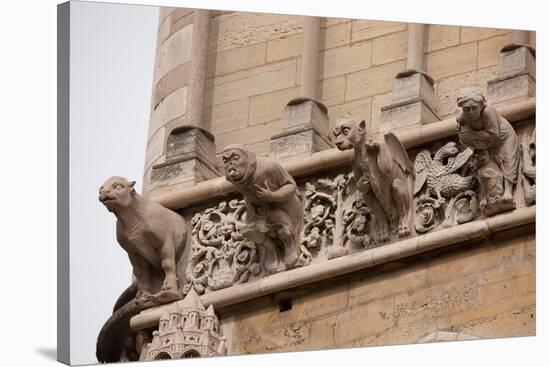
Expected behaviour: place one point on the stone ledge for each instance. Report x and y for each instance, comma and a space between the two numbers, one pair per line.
333, 158
350, 263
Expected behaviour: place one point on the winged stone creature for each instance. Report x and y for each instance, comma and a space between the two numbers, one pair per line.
439, 172
382, 166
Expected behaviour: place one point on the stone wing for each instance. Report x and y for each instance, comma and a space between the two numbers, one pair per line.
421, 167
454, 163
398, 152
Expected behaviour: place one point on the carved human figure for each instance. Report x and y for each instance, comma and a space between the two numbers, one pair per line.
529, 154
152, 235
383, 167
494, 141
273, 209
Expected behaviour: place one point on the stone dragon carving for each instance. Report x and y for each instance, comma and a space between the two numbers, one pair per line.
153, 236
382, 167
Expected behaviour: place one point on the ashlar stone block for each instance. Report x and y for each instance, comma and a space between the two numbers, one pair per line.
190, 158
413, 101
305, 129
516, 75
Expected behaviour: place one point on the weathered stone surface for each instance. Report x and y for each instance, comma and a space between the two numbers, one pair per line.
345, 60
227, 117
305, 114
442, 36
513, 89
260, 80
519, 60
271, 106
179, 175
378, 102
431, 302
368, 29
357, 323
412, 88
335, 36
376, 288
402, 115
469, 34
285, 48
175, 50
175, 79
155, 147
298, 143
373, 81
190, 157
333, 90
174, 105
251, 135
512, 288
382, 52
180, 19
452, 61
413, 102
305, 131
241, 58
239, 29
287, 338
489, 50
322, 333
188, 141
506, 253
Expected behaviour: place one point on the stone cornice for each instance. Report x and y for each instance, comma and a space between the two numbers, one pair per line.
350, 263
332, 158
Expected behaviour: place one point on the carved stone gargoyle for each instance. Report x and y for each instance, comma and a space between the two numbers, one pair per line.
273, 209
152, 235
383, 167
495, 146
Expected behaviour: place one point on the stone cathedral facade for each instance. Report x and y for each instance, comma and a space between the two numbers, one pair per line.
337, 183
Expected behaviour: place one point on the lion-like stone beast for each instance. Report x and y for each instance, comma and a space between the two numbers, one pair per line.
152, 235
383, 167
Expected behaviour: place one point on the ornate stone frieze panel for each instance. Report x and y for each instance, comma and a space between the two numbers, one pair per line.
340, 214
220, 254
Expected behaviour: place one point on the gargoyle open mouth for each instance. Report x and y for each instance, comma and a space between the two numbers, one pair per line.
107, 199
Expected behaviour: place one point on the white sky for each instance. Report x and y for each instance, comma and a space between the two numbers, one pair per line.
112, 62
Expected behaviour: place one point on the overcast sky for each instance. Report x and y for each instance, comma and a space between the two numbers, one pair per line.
112, 62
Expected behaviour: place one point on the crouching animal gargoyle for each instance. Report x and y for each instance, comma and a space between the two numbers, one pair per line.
273, 209
383, 167
152, 235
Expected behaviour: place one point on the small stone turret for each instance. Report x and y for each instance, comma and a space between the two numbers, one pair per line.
191, 331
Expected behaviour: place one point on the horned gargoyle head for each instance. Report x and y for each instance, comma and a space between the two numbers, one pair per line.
116, 193
349, 133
